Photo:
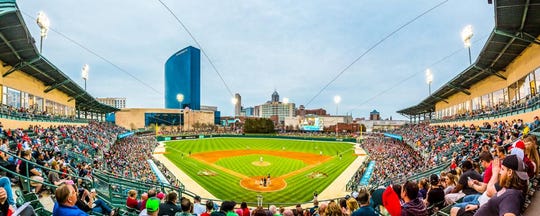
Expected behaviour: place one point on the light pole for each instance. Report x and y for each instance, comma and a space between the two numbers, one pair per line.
466, 35
337, 99
429, 79
180, 98
43, 23
85, 70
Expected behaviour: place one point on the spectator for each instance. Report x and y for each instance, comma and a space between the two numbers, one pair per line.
298, 211
53, 176
462, 188
435, 194
27, 169
315, 207
66, 197
332, 210
342, 205
449, 183
485, 161
531, 151
142, 202
413, 205
131, 201
513, 180
245, 209
209, 208
198, 208
365, 208
226, 209
5, 184
273, 210
186, 207
152, 207
500, 152
169, 207
288, 212
87, 201
391, 200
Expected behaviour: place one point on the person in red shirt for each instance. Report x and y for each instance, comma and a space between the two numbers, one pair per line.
485, 161
245, 209
131, 201
209, 208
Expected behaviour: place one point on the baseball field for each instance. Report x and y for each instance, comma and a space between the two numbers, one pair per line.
281, 170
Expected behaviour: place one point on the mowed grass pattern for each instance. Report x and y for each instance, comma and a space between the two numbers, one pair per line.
225, 186
243, 164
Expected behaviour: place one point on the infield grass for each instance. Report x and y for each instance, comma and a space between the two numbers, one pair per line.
226, 186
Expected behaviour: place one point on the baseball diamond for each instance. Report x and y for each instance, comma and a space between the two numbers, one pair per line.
279, 169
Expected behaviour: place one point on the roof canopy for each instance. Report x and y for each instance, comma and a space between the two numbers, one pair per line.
17, 49
517, 25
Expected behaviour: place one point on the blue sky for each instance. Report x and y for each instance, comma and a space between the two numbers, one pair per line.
296, 47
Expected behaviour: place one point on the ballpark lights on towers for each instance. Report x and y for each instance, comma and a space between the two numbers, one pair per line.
84, 74
466, 35
429, 79
43, 23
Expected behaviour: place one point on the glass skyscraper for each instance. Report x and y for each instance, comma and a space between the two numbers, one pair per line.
183, 77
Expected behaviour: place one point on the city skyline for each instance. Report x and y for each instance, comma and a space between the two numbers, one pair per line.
260, 46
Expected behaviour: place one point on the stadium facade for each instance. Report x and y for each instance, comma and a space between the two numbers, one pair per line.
183, 76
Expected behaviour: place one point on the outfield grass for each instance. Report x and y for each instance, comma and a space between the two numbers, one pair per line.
225, 186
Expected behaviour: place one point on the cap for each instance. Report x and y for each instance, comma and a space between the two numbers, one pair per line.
152, 205
466, 164
160, 195
514, 163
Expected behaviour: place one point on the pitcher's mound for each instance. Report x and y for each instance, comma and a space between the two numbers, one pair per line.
254, 184
259, 163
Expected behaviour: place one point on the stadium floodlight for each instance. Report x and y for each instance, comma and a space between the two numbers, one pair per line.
429, 79
180, 98
43, 23
337, 99
84, 73
466, 35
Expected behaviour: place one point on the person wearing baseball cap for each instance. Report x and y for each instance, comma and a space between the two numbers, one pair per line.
513, 180
152, 207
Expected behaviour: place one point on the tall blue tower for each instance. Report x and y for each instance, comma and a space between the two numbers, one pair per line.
183, 79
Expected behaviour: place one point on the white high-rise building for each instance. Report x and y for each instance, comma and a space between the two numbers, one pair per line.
238, 105
114, 102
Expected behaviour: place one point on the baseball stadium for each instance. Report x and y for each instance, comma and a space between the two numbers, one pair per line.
470, 147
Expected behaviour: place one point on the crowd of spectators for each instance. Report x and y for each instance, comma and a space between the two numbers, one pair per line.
31, 112
496, 109
393, 159
475, 153
128, 158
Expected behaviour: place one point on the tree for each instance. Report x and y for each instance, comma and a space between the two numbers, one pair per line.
260, 125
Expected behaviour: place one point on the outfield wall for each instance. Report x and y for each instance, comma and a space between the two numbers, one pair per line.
169, 138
